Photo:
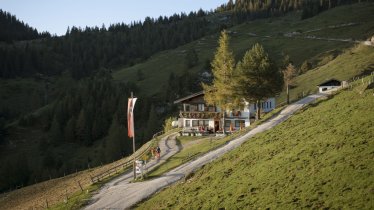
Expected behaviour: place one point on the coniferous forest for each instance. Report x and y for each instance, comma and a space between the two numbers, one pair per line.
77, 106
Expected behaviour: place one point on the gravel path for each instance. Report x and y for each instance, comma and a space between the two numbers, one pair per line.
123, 195
168, 146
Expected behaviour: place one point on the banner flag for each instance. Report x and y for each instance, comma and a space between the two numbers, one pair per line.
130, 116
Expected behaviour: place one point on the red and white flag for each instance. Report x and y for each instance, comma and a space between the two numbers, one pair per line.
130, 116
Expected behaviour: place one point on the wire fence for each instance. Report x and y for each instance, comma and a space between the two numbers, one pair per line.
118, 168
64, 188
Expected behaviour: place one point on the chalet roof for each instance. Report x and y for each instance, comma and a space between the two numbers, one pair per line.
189, 97
330, 82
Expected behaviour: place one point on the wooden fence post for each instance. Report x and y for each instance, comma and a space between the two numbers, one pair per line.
66, 195
79, 183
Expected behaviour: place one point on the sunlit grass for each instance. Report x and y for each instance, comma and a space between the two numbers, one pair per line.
321, 158
159, 66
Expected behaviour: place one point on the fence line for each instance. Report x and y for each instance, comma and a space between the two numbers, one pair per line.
124, 165
77, 185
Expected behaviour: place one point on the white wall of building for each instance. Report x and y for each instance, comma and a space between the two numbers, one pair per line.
323, 89
266, 106
233, 116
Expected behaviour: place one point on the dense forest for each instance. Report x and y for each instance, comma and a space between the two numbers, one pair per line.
83, 51
79, 107
244, 10
14, 30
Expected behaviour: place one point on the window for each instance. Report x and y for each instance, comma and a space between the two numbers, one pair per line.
211, 109
270, 103
200, 107
187, 123
196, 123
193, 108
227, 123
239, 123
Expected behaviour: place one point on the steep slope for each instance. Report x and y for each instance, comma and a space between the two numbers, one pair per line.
269, 32
355, 61
320, 158
35, 150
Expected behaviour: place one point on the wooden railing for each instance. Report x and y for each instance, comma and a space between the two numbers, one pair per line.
200, 115
122, 166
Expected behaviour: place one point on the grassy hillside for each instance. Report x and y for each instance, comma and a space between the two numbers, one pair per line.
355, 61
268, 32
54, 191
321, 158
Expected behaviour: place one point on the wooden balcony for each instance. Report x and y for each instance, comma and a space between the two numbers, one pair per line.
201, 115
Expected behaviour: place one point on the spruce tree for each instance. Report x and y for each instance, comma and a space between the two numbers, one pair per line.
191, 58
221, 93
69, 130
259, 77
152, 124
55, 131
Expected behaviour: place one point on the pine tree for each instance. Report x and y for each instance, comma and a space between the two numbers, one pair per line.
191, 58
55, 131
151, 124
3, 130
220, 93
69, 131
117, 142
259, 77
81, 127
139, 75
288, 74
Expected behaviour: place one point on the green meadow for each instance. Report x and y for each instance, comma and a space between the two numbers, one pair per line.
321, 158
268, 32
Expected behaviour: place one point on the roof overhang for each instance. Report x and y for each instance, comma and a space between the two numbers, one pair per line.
329, 81
189, 97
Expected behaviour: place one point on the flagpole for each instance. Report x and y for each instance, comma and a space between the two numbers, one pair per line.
133, 139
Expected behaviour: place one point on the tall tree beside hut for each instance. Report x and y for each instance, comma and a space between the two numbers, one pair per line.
220, 92
259, 78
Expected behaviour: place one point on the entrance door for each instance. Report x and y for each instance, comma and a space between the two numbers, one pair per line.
216, 125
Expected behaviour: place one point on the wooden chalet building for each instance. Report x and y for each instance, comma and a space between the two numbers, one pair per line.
197, 117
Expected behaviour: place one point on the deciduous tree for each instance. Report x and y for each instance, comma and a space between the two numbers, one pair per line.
288, 74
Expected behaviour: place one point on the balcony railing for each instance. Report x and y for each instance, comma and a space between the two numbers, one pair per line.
200, 115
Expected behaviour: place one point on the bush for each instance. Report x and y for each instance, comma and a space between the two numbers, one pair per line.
167, 124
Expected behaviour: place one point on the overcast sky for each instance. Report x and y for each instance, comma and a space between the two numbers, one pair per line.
55, 16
